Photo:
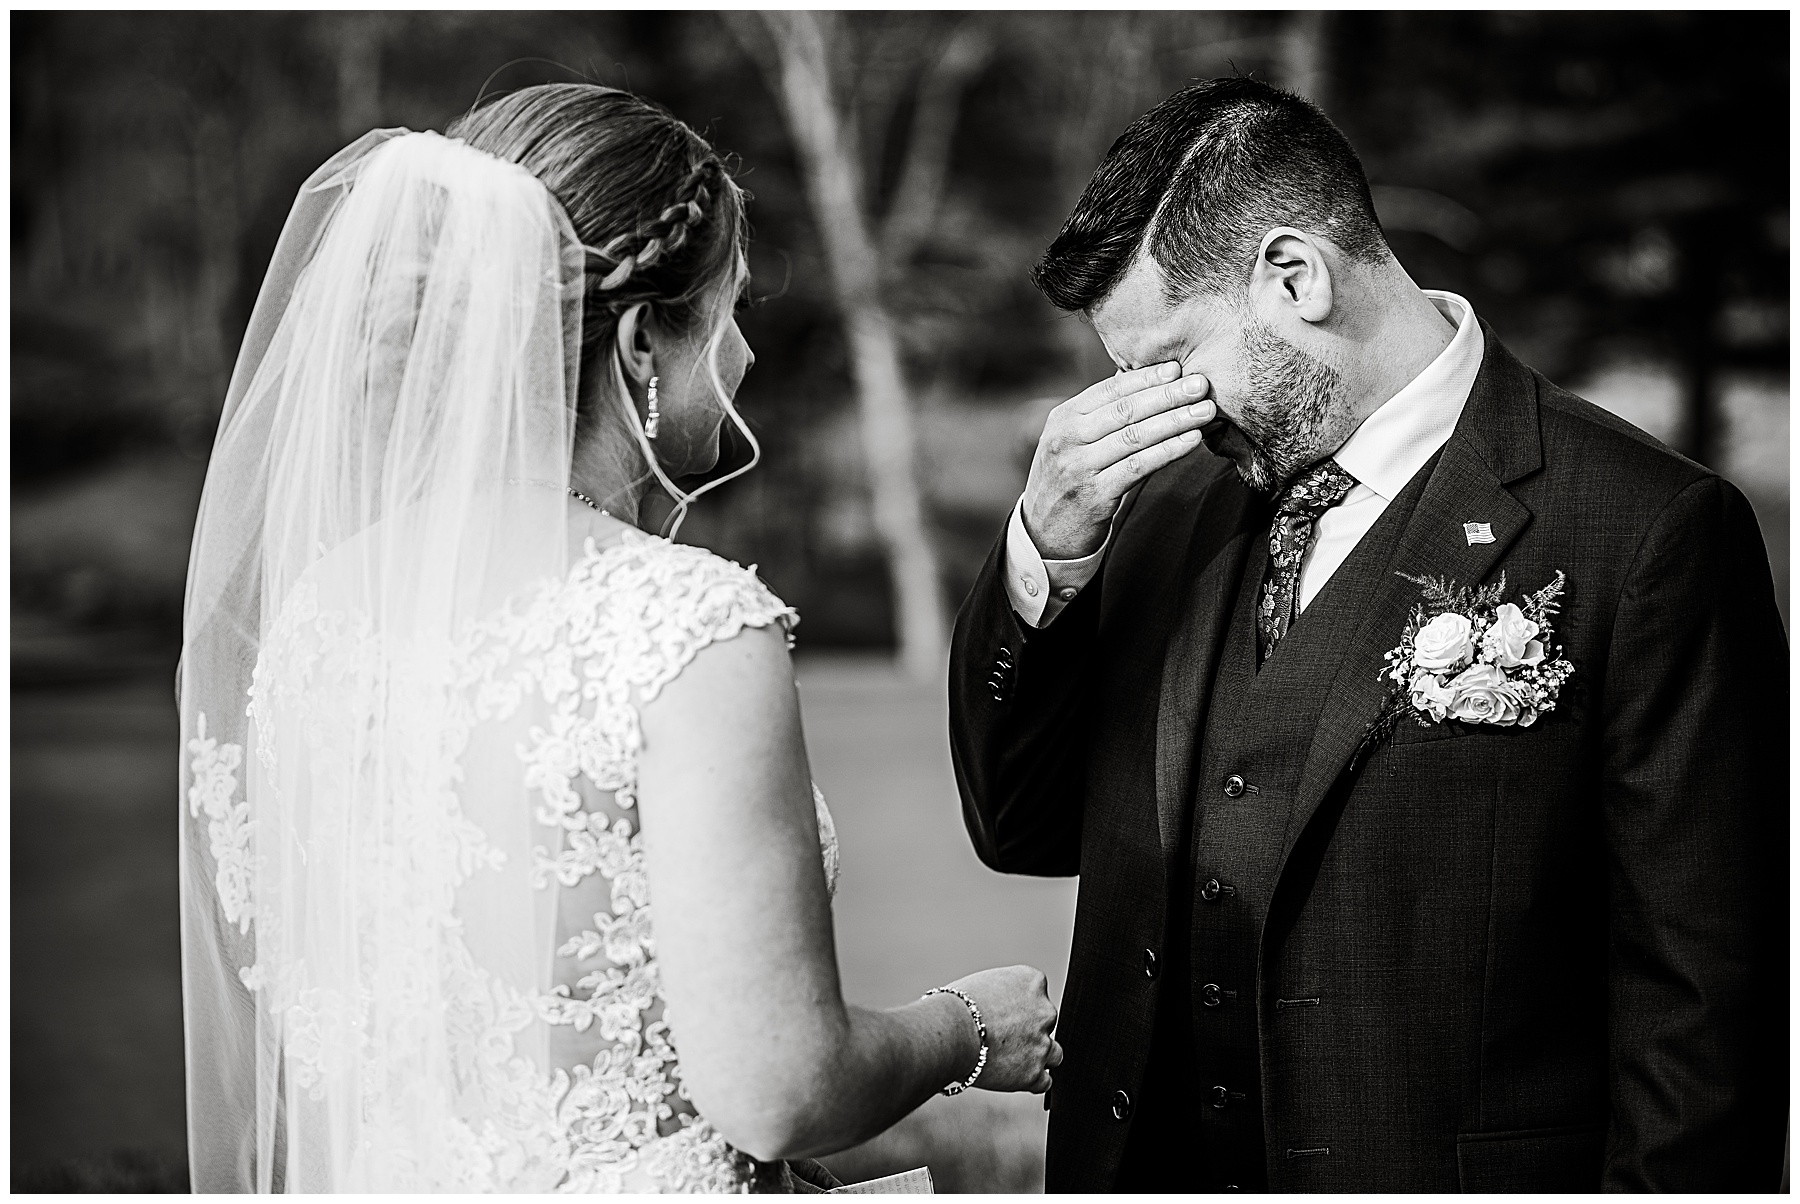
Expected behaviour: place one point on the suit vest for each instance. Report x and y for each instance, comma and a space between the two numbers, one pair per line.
1253, 748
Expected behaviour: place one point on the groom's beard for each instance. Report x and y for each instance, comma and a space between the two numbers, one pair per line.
1291, 396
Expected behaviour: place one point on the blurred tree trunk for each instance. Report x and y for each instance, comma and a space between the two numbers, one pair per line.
825, 138
360, 38
46, 257
1696, 320
1303, 62
218, 235
920, 192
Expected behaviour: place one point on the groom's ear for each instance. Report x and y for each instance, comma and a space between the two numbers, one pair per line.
1291, 272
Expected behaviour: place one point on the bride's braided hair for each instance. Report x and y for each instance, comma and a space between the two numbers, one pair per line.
662, 218
667, 234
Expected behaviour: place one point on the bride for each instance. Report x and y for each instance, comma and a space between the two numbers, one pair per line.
452, 722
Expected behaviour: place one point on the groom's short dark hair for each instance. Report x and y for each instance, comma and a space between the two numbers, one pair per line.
1197, 181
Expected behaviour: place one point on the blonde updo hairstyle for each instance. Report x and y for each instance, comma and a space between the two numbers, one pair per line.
665, 224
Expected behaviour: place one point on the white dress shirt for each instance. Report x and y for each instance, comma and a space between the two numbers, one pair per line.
1383, 454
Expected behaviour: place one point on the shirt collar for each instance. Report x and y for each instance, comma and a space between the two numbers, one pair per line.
1394, 442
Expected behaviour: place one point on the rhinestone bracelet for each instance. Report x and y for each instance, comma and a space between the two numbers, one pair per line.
980, 1033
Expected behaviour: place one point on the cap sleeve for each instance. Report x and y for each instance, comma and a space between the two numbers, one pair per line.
677, 600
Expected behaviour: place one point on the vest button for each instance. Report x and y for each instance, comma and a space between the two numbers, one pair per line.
1150, 965
1121, 1106
1210, 891
1220, 1097
1210, 995
1234, 786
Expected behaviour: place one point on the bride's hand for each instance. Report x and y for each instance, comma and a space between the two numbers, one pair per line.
1015, 1002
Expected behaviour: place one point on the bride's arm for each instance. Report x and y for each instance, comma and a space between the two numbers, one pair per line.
769, 1051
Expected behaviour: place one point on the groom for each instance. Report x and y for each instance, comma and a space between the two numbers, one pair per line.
1492, 945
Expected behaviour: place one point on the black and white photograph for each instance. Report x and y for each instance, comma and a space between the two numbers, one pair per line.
907, 601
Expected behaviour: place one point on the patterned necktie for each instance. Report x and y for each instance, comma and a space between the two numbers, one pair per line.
1297, 511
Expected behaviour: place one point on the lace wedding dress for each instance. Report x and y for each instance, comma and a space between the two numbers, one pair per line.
607, 1112
417, 949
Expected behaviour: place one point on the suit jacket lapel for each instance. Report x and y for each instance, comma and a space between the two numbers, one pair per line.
1496, 442
1230, 518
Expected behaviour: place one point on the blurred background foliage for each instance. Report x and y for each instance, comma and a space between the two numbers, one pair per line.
1608, 188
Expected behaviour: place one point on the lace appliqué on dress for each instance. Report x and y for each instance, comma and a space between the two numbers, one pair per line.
228, 825
626, 622
622, 625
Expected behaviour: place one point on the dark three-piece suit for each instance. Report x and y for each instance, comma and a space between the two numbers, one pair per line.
1476, 957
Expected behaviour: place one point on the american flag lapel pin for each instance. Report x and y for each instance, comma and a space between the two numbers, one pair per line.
1478, 533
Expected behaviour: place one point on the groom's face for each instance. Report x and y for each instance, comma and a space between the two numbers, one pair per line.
1277, 401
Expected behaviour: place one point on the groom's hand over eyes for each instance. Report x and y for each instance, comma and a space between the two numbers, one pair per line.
1100, 443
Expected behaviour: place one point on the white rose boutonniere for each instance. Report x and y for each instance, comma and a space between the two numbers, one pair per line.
1430, 696
1444, 643
1511, 641
1481, 694
1468, 656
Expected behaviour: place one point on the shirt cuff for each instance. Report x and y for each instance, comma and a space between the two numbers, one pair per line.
1037, 588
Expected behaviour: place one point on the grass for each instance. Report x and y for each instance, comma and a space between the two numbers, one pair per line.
974, 1142
916, 909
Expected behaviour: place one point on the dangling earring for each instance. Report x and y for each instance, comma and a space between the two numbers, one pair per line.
652, 418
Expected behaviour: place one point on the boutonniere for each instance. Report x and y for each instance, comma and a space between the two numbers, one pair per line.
1467, 655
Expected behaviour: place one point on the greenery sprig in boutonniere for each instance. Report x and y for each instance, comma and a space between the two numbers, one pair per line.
1467, 655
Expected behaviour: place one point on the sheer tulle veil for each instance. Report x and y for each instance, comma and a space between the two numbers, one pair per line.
355, 838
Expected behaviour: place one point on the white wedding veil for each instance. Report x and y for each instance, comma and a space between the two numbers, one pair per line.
391, 465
